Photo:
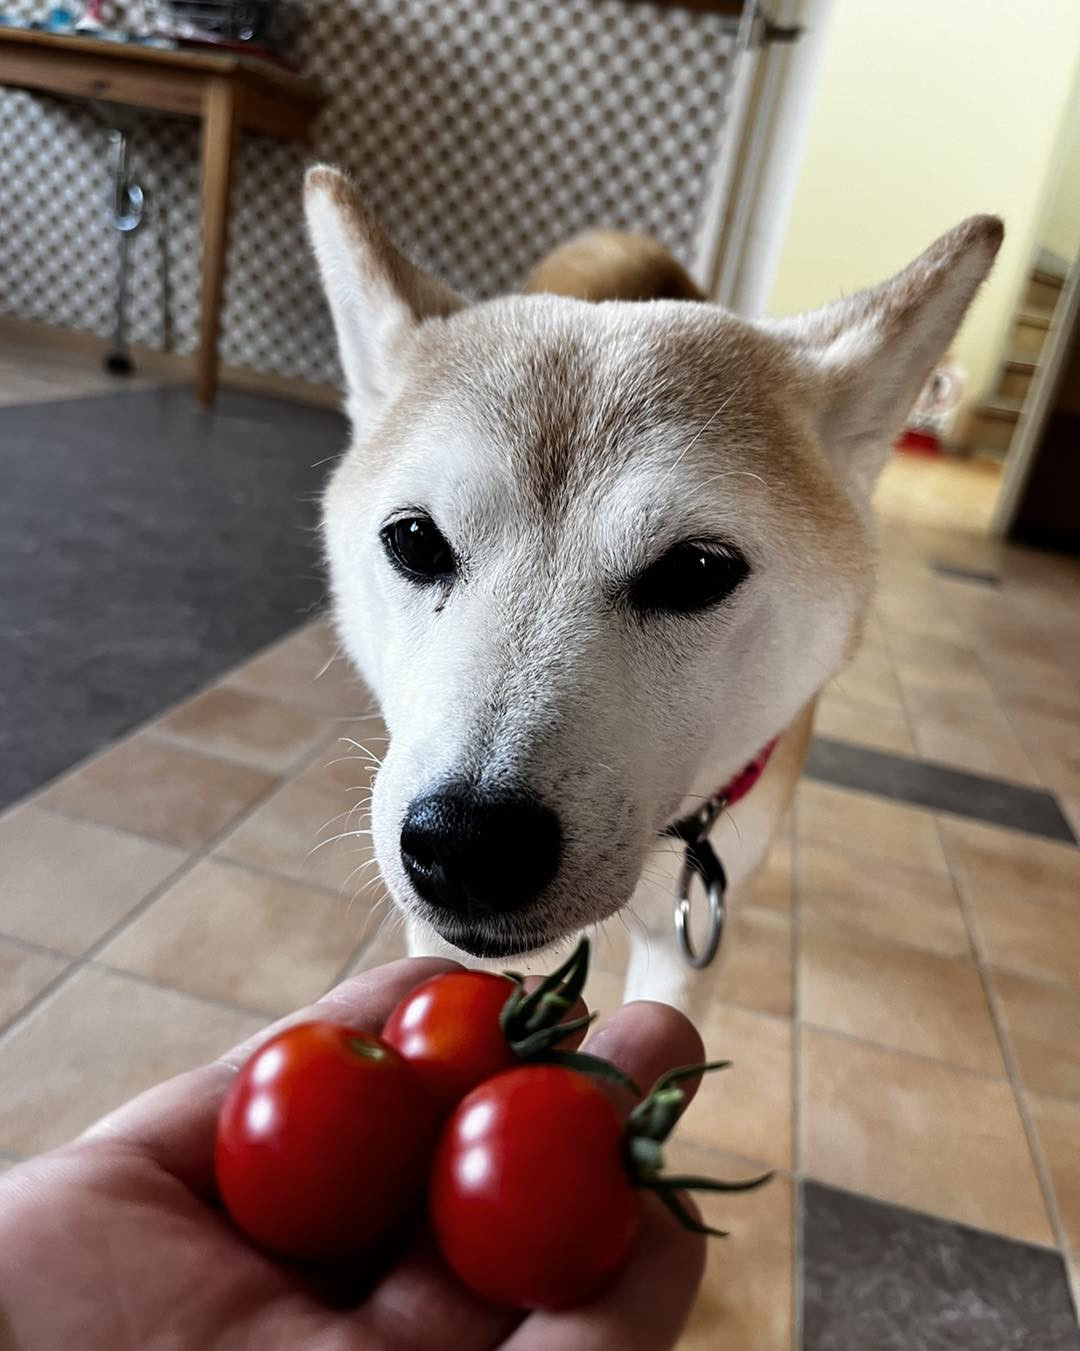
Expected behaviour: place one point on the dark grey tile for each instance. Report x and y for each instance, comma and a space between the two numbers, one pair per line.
880, 1278
145, 547
959, 574
1000, 802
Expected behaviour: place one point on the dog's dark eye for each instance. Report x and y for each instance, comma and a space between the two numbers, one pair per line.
690, 577
418, 548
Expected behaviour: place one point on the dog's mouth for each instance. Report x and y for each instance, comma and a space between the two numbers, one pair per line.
495, 937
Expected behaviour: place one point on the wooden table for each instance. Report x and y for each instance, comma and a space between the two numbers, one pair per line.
229, 93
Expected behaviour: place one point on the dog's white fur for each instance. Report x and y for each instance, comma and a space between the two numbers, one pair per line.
560, 444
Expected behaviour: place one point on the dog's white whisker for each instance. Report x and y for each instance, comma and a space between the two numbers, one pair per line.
334, 839
341, 816
356, 874
359, 746
356, 896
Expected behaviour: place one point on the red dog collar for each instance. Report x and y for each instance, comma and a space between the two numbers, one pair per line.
741, 783
695, 827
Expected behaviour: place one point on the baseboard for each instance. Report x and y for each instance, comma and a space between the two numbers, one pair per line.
172, 366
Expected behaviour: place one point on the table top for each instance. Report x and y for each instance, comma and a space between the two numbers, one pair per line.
250, 69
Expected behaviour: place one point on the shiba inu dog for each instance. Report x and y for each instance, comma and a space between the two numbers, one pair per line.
592, 552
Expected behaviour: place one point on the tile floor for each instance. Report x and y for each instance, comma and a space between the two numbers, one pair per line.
901, 997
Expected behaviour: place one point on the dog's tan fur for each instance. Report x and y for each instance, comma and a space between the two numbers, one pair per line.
562, 432
612, 265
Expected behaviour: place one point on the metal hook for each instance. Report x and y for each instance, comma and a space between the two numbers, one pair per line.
702, 863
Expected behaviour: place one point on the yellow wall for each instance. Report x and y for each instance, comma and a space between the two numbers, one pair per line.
927, 111
1060, 229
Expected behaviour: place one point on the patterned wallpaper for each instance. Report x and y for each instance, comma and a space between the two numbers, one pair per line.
481, 131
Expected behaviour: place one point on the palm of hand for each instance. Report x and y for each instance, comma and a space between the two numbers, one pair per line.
115, 1240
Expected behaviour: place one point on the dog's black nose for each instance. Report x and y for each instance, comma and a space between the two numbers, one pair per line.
475, 854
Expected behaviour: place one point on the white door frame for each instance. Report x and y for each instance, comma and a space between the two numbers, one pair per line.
760, 156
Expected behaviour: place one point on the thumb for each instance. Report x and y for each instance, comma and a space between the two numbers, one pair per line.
643, 1309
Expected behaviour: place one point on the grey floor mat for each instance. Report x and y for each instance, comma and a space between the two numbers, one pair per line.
145, 546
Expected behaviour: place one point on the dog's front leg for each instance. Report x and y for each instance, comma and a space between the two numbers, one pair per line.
657, 969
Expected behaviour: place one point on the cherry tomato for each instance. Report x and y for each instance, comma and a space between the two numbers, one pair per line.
448, 1029
324, 1141
530, 1200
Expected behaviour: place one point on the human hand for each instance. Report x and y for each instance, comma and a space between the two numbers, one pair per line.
116, 1240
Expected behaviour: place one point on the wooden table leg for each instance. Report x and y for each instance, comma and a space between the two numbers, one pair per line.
218, 145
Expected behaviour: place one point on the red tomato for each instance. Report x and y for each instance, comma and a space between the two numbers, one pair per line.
448, 1029
323, 1142
530, 1200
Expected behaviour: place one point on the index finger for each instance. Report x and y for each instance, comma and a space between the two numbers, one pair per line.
175, 1122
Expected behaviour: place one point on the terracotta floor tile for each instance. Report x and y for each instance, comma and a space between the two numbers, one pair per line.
898, 997
918, 1134
1010, 863
239, 726
934, 655
745, 1110
862, 724
993, 751
746, 1298
64, 883
104, 1038
1034, 686
306, 669
1042, 1022
755, 966
387, 944
161, 791
858, 821
241, 938
295, 833
1029, 938
772, 887
1041, 704
970, 708
945, 692
1058, 1127
908, 617
24, 973
869, 679
881, 899
1054, 746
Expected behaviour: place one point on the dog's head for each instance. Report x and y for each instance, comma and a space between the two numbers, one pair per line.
584, 552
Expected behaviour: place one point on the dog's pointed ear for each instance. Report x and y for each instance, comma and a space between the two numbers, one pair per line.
377, 296
870, 355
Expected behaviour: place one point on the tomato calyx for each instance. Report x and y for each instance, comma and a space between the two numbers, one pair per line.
531, 1022
366, 1050
647, 1129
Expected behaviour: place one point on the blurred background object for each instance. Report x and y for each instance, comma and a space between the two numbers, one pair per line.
267, 26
